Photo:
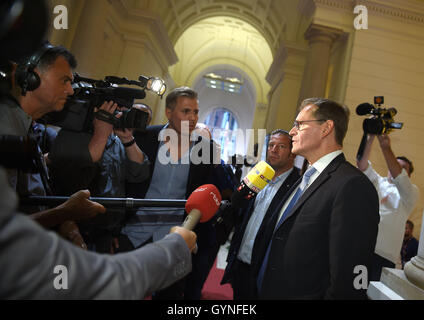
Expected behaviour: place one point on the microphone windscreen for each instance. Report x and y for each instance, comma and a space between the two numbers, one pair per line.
259, 176
364, 108
206, 199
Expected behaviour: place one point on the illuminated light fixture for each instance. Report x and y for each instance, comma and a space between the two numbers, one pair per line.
157, 85
214, 81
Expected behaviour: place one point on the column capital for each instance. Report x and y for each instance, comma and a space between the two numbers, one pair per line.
320, 33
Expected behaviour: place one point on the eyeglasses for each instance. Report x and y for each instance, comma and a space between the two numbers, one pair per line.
297, 123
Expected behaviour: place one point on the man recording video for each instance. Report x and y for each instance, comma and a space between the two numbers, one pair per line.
40, 84
101, 161
398, 197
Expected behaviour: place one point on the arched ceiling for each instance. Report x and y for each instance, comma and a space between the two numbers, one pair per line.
275, 20
223, 41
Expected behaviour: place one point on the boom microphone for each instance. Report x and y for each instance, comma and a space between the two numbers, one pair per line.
364, 108
201, 205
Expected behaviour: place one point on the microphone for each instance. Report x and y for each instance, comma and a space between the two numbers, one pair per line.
364, 108
201, 205
255, 180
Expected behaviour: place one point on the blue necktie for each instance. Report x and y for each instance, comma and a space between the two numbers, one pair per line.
305, 180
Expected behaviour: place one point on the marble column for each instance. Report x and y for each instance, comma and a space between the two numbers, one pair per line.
320, 39
414, 269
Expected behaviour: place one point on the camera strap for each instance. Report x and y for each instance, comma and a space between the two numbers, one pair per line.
105, 116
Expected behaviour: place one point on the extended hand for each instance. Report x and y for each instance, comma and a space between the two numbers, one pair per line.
70, 231
79, 207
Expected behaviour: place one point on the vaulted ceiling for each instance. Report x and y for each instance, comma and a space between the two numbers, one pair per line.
276, 20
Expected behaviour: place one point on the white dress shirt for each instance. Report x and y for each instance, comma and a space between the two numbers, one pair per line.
319, 165
397, 200
261, 205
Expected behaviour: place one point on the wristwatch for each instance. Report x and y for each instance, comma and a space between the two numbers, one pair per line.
128, 144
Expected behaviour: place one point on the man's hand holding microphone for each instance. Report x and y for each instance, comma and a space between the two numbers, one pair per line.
201, 206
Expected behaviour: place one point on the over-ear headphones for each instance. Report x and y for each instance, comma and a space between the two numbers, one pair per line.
25, 76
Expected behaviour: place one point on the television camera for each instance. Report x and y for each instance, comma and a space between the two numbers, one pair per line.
79, 110
382, 120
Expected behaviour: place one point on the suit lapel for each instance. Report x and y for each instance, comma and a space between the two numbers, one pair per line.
282, 191
323, 177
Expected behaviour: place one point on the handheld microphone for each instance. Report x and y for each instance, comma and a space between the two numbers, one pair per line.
201, 205
255, 180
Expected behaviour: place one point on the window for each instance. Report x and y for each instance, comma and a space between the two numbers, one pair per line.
224, 125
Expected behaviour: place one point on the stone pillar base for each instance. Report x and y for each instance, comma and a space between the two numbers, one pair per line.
414, 271
394, 285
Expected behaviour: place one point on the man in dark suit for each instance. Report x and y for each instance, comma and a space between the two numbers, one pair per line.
313, 247
241, 263
175, 173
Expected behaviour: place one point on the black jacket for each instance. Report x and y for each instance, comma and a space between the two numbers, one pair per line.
148, 142
331, 230
199, 174
243, 220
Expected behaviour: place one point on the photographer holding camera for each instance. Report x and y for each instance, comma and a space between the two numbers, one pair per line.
102, 161
398, 197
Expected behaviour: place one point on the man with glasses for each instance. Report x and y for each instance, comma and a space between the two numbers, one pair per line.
326, 230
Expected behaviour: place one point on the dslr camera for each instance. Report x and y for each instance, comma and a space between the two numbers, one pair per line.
382, 120
79, 110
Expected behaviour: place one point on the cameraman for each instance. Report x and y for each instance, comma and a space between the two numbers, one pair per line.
38, 85
101, 161
398, 197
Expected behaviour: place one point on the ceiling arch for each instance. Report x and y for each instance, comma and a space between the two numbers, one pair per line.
273, 19
223, 41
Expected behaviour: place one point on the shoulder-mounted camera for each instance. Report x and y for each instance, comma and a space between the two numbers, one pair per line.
78, 113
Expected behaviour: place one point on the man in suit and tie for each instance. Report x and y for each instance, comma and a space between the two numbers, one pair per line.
328, 225
241, 263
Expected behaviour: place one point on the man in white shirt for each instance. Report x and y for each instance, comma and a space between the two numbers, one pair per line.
398, 197
242, 261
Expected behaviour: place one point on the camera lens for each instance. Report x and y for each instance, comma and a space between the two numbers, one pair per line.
373, 126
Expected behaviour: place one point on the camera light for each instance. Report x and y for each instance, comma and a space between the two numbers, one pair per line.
156, 85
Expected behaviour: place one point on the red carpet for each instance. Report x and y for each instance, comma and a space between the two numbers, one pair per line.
213, 290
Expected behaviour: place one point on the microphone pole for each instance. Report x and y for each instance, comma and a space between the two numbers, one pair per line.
128, 203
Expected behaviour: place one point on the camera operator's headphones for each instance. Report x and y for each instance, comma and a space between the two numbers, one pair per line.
25, 76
